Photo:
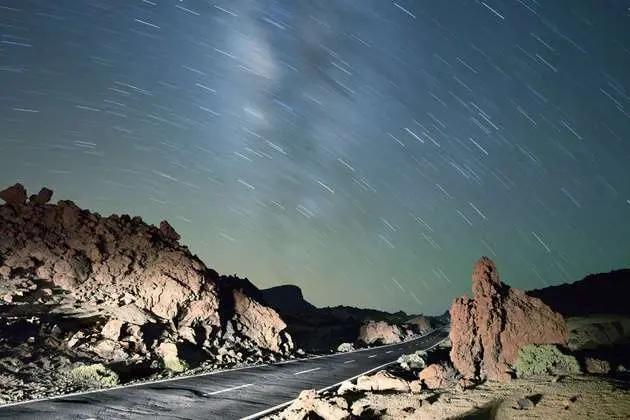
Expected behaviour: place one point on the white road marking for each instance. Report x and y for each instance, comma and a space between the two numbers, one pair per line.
369, 357
284, 404
389, 351
199, 375
349, 361
307, 371
221, 391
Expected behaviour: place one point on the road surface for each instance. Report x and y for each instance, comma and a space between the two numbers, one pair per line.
231, 394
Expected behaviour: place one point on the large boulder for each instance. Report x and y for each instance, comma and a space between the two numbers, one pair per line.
379, 332
382, 381
488, 331
420, 323
129, 271
14, 196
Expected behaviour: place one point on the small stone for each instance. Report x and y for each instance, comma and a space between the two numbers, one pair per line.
8, 298
524, 404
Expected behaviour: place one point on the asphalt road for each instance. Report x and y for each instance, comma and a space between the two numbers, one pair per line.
232, 394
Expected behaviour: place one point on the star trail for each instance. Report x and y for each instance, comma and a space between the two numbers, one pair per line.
368, 151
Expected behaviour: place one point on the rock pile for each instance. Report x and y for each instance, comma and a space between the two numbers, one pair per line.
132, 291
488, 331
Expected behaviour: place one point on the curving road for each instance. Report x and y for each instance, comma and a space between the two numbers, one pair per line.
244, 393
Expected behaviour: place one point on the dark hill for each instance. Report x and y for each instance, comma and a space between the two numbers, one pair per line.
603, 293
286, 299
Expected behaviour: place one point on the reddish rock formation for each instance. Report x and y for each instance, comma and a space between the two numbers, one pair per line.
14, 196
41, 198
130, 271
488, 331
437, 375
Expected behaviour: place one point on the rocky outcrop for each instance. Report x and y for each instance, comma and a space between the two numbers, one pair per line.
345, 347
261, 324
488, 331
287, 299
438, 375
380, 332
131, 286
420, 323
595, 294
14, 196
382, 381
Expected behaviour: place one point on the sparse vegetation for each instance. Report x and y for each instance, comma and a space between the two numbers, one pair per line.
94, 376
544, 359
175, 364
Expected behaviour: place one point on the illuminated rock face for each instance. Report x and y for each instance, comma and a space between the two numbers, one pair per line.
488, 331
132, 269
372, 332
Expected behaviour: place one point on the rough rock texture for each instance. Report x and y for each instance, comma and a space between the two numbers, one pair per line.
309, 403
261, 324
380, 332
488, 331
382, 381
14, 196
422, 324
115, 288
287, 299
345, 347
438, 375
414, 361
597, 366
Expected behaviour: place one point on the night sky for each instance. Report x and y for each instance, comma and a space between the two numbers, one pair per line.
367, 151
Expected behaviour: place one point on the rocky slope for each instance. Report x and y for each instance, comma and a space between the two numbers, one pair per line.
596, 294
78, 287
488, 330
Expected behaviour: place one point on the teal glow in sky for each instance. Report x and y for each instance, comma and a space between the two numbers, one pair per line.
368, 151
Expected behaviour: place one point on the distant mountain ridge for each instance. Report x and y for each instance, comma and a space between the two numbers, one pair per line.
287, 299
602, 293
321, 329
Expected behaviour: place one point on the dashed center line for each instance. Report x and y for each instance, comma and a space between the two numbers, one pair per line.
369, 357
389, 351
229, 389
349, 361
307, 371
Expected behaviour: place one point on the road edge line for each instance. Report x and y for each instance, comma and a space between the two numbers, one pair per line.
197, 375
284, 404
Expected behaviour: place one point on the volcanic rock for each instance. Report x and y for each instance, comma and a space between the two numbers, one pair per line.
379, 332
14, 196
382, 381
260, 323
488, 331
124, 271
310, 405
437, 375
421, 323
41, 198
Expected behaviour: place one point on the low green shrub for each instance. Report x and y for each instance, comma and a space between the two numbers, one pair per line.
544, 359
94, 376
